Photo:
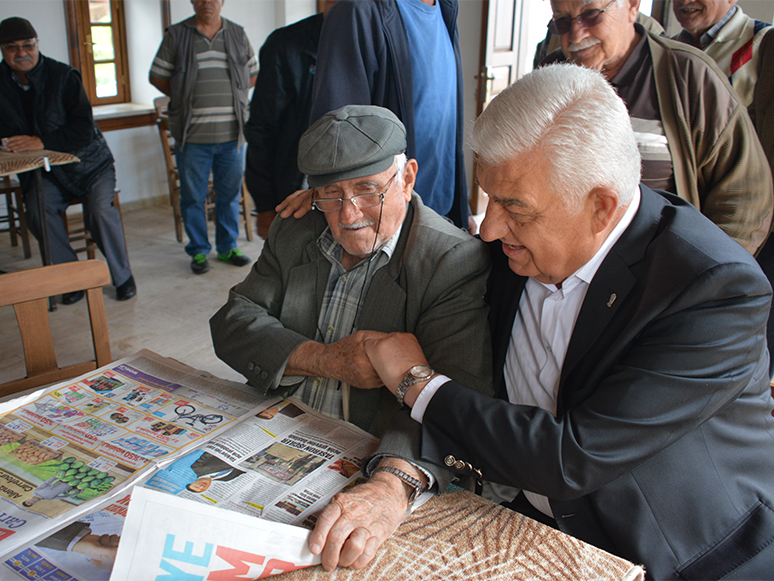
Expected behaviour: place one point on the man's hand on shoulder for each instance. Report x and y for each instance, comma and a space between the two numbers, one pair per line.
344, 360
297, 204
23, 143
355, 524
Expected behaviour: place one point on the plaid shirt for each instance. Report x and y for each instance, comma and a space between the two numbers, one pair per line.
338, 318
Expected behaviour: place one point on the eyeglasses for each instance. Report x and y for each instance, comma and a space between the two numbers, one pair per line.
586, 19
360, 201
14, 48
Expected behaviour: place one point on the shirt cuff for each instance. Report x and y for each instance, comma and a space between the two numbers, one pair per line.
424, 397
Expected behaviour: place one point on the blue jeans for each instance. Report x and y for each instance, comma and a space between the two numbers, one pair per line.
194, 163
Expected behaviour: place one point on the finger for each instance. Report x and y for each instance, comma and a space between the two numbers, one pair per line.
354, 546
325, 522
372, 545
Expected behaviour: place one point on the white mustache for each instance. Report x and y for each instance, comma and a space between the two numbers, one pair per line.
357, 225
22, 59
583, 44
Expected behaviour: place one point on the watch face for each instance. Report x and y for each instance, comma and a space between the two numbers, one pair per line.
421, 371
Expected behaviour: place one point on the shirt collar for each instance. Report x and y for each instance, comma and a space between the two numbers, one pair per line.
706, 38
586, 272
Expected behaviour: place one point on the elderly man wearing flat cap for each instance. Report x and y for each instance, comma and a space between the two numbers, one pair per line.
371, 259
43, 106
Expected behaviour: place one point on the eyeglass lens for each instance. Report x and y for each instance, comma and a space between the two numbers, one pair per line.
586, 19
14, 48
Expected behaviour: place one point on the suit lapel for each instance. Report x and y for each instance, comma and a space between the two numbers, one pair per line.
607, 293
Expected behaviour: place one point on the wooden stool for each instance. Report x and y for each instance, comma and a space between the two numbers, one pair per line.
17, 223
76, 230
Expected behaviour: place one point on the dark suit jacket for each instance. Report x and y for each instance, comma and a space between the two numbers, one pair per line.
662, 449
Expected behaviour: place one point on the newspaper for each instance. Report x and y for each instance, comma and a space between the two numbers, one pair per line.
173, 538
186, 434
67, 449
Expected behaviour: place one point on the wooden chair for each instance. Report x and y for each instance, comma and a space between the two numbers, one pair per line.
17, 223
77, 232
28, 292
173, 177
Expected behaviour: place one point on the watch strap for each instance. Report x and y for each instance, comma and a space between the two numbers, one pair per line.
414, 483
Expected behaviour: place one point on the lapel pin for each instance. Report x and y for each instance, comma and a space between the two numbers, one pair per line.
612, 299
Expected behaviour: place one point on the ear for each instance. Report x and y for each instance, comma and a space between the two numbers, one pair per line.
604, 207
633, 8
409, 178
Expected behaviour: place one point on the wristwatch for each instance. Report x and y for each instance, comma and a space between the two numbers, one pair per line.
412, 482
416, 373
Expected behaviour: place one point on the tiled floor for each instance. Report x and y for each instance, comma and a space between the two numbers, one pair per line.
169, 315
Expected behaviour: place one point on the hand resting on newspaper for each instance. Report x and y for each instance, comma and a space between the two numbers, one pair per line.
356, 522
344, 360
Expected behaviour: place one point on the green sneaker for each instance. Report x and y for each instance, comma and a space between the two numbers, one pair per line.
234, 257
199, 264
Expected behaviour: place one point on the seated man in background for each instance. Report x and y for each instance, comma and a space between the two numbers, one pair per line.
695, 136
630, 364
43, 106
372, 259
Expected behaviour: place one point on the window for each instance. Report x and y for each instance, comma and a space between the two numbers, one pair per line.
97, 38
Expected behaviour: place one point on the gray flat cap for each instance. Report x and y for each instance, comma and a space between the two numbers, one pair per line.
351, 142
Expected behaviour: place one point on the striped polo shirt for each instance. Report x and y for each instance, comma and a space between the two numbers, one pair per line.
213, 117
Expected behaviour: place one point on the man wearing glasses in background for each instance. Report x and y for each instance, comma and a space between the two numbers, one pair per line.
693, 132
372, 259
43, 106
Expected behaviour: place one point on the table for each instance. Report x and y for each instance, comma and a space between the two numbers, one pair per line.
13, 163
459, 536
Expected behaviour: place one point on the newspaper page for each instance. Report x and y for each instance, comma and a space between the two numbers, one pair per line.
66, 449
175, 538
283, 464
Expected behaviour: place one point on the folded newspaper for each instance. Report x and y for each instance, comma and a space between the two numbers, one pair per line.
73, 458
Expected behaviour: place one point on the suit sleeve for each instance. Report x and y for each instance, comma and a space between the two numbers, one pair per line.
348, 56
454, 335
246, 332
268, 109
636, 403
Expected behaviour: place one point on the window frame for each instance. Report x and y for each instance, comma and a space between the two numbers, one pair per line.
82, 56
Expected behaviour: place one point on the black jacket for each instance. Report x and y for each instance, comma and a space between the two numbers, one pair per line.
279, 112
56, 110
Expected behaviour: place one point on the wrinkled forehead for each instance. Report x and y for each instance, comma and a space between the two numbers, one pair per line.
576, 6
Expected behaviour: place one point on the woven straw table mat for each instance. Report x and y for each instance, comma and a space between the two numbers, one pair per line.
20, 162
461, 536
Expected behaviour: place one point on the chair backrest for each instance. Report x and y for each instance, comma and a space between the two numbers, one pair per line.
28, 292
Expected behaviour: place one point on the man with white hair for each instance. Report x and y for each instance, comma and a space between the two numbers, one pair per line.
629, 353
372, 259
694, 134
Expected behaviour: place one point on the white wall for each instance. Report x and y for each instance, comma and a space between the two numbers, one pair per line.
48, 19
759, 9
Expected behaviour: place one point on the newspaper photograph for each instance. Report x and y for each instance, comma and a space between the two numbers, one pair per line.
63, 448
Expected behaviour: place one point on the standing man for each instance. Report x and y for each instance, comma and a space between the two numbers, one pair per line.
207, 66
402, 55
279, 114
633, 408
693, 132
43, 106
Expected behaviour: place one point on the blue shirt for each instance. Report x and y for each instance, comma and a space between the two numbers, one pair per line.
434, 75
